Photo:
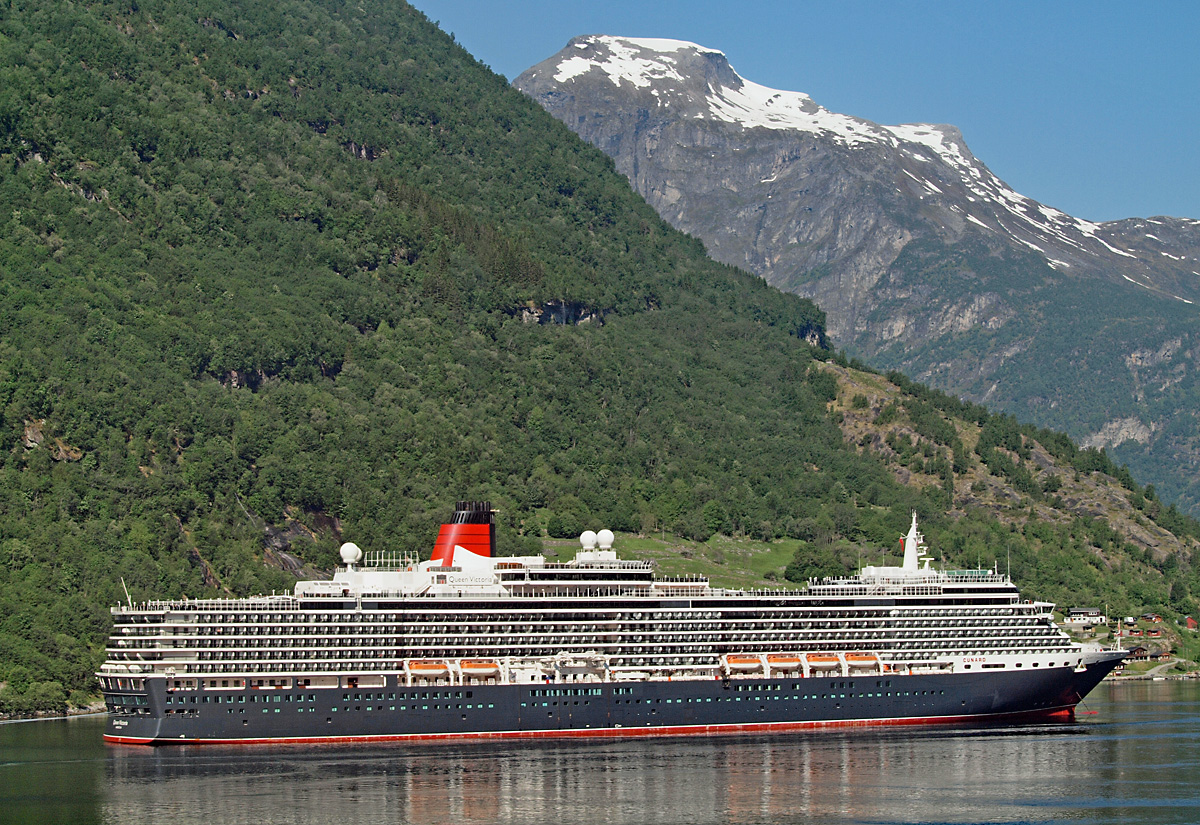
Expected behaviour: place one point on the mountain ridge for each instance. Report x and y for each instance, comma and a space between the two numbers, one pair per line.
922, 258
665, 74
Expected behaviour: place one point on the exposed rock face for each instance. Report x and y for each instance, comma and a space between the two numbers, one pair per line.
35, 437
561, 312
921, 258
33, 434
1118, 432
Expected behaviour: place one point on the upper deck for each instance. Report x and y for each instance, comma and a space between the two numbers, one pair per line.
595, 573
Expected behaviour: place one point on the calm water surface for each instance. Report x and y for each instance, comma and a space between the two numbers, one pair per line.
1136, 759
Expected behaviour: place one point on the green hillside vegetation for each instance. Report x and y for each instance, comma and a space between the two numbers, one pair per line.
1052, 372
278, 275
1025, 500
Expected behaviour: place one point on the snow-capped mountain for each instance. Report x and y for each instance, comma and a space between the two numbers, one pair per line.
921, 257
656, 106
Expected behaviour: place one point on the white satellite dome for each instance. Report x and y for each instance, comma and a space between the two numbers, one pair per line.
588, 539
351, 554
605, 538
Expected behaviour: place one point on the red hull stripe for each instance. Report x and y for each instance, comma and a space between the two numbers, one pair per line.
1065, 713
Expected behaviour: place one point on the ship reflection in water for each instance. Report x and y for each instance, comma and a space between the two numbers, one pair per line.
964, 775
1137, 760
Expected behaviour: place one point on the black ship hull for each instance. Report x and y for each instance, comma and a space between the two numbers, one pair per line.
400, 712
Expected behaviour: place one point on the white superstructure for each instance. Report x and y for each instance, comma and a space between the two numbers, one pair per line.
598, 617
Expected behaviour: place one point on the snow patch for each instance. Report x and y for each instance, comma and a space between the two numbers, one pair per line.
660, 44
927, 184
627, 62
1112, 248
1032, 246
934, 138
1139, 283
571, 68
752, 105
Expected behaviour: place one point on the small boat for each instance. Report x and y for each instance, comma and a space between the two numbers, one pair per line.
784, 661
479, 668
743, 663
428, 667
823, 661
862, 660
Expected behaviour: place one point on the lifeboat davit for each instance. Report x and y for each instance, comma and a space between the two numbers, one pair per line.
576, 663
743, 663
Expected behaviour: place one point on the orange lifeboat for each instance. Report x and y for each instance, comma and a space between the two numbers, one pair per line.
862, 660
479, 668
744, 663
784, 661
428, 668
823, 661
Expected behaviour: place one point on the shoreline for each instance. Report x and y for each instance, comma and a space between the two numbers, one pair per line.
1141, 677
91, 710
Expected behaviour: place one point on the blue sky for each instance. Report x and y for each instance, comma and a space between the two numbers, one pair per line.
1093, 108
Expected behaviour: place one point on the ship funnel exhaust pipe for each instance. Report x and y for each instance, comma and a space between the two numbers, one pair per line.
472, 527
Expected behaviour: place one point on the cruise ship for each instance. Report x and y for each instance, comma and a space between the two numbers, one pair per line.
468, 644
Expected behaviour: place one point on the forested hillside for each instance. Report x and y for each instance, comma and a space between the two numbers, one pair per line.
275, 275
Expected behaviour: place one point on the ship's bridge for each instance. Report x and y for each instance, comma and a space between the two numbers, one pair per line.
914, 577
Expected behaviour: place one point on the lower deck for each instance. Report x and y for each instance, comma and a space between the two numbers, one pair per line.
395, 710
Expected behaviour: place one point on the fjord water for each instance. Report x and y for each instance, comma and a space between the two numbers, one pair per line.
1132, 756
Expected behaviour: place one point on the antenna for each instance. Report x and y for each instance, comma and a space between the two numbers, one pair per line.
126, 589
